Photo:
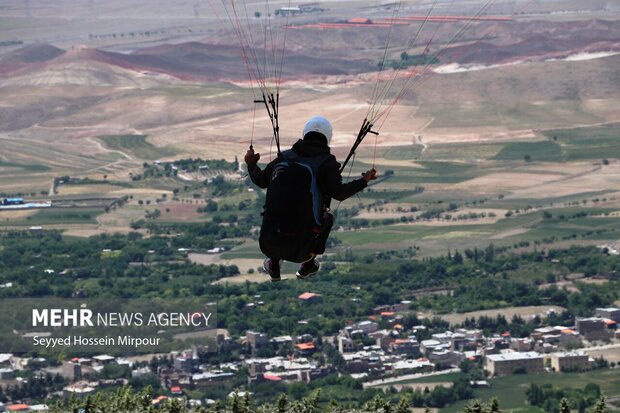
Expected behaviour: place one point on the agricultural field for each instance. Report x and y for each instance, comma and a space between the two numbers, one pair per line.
56, 218
513, 140
508, 312
468, 195
511, 390
135, 146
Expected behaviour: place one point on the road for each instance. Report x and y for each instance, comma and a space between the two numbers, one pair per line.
398, 379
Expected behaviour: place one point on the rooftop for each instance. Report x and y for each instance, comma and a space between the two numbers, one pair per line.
18, 407
530, 355
576, 353
307, 296
305, 346
272, 377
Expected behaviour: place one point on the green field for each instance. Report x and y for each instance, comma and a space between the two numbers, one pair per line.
400, 153
517, 116
567, 145
595, 143
588, 143
441, 172
25, 167
511, 390
55, 216
136, 146
465, 152
525, 227
538, 151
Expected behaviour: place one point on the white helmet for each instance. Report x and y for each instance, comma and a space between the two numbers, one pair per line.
319, 124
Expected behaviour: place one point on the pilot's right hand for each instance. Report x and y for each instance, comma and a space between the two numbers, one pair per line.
251, 158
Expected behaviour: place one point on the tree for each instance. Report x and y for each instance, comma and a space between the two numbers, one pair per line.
600, 406
592, 391
534, 394
564, 406
211, 206
458, 258
489, 253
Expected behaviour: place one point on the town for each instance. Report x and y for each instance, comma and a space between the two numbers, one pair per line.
379, 351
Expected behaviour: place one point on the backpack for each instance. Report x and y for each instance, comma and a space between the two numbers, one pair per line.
293, 211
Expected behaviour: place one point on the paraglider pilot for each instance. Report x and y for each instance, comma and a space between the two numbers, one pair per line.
300, 183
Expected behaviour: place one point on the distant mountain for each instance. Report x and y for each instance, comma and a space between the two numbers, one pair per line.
308, 53
185, 61
538, 47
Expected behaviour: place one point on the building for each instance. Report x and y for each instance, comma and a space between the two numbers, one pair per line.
288, 11
13, 201
77, 369
80, 390
570, 361
345, 344
7, 373
256, 340
569, 336
5, 359
612, 313
394, 308
522, 344
506, 363
383, 338
359, 20
406, 346
287, 370
212, 380
282, 340
363, 327
310, 297
427, 346
357, 364
412, 366
456, 341
184, 364
305, 349
104, 359
593, 328
445, 358
471, 334
20, 407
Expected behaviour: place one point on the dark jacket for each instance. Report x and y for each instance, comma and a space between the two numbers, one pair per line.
329, 179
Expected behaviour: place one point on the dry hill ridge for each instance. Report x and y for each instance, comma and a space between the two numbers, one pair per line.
208, 61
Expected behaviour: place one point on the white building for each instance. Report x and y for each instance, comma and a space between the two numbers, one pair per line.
570, 361
505, 363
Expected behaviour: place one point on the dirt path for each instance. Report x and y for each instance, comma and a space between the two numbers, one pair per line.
577, 175
419, 138
52, 188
